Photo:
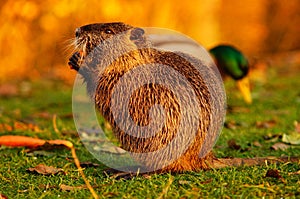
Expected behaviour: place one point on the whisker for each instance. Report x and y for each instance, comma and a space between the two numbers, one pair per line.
69, 44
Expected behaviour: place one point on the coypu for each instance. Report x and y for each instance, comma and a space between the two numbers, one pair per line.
107, 53
133, 51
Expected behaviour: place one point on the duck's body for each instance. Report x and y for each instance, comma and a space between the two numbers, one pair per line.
231, 62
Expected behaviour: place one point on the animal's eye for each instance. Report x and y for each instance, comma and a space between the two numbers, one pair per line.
108, 31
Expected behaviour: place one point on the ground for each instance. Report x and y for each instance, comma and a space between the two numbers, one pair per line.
254, 128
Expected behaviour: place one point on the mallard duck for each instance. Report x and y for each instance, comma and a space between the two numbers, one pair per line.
231, 62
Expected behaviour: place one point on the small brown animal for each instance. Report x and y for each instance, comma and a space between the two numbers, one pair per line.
121, 48
191, 121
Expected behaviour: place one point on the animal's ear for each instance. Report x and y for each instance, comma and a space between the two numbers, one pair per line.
136, 33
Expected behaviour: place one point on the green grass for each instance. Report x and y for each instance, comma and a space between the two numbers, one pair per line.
278, 100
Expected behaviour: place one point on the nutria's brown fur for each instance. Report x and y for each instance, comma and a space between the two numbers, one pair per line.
132, 49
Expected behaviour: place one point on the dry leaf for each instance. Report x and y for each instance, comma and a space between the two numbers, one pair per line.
5, 127
272, 138
273, 173
110, 195
293, 138
21, 126
238, 109
266, 124
8, 90
3, 196
147, 176
196, 189
45, 170
64, 187
108, 148
280, 146
70, 133
47, 186
184, 182
206, 181
233, 145
257, 144
18, 125
230, 125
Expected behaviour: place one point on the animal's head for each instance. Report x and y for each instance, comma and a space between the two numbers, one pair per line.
111, 35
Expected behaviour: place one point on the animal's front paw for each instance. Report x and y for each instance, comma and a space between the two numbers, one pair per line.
75, 61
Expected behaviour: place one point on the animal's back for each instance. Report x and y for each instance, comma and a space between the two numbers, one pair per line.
185, 115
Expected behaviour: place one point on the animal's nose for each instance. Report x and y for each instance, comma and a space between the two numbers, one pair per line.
77, 32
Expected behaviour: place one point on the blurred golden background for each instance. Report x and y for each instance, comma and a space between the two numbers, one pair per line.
34, 35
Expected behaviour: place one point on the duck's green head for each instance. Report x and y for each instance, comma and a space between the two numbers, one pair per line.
230, 61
